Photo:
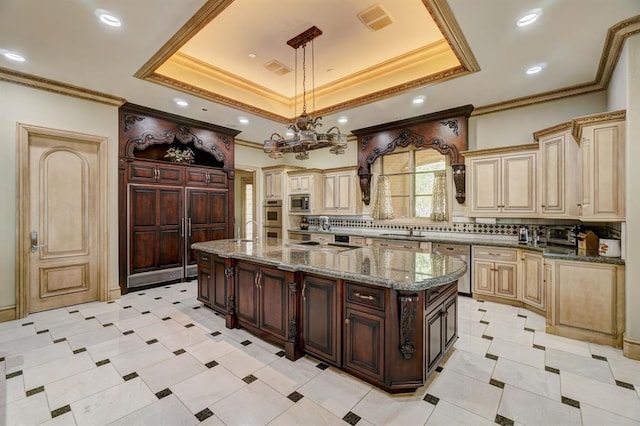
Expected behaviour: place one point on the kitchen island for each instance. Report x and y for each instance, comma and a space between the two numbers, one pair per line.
387, 316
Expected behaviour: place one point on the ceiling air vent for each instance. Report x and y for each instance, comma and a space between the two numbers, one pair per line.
277, 67
375, 17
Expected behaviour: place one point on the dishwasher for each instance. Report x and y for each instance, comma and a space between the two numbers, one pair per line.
462, 252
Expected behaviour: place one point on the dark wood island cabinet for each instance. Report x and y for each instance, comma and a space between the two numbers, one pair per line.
388, 326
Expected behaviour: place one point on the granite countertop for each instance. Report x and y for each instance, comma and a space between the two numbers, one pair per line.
396, 269
550, 252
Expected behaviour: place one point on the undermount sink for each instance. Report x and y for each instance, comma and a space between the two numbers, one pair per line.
238, 240
397, 235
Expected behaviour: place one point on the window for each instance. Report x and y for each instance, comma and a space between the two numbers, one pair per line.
412, 175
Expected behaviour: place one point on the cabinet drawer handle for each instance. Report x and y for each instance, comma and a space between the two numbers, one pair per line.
205, 258
304, 290
384, 245
362, 296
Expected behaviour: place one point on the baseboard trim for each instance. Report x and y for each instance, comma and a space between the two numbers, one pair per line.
115, 293
8, 313
630, 347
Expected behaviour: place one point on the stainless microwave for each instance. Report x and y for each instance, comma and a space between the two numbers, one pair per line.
561, 235
299, 203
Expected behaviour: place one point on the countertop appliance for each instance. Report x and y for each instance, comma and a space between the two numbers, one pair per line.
324, 224
462, 252
299, 203
561, 235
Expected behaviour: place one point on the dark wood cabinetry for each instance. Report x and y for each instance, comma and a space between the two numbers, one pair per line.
261, 299
440, 324
364, 343
321, 319
212, 282
164, 207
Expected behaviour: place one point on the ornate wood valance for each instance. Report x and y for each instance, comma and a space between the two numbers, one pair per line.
141, 128
444, 131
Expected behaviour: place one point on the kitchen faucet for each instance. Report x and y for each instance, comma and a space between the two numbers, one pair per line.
257, 235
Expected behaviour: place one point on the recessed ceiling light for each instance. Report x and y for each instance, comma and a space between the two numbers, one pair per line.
243, 120
12, 55
343, 120
253, 55
529, 18
181, 102
535, 69
418, 100
108, 18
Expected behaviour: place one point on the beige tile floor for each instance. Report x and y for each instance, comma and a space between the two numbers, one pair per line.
156, 357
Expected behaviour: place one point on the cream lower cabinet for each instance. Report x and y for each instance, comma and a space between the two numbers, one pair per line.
532, 279
588, 301
495, 272
502, 183
602, 145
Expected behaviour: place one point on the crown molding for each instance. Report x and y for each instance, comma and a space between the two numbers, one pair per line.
53, 86
602, 118
614, 42
501, 150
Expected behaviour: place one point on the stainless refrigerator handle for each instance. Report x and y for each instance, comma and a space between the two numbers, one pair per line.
189, 226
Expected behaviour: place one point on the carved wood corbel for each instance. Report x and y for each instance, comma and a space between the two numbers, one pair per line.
408, 315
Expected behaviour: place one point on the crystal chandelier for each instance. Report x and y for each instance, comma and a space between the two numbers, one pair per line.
305, 137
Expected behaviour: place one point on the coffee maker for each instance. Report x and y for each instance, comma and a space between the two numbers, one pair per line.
523, 235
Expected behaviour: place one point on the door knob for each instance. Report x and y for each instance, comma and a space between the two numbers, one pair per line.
34, 242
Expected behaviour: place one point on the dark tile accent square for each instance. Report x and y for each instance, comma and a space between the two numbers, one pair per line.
496, 383
197, 307
167, 287
163, 393
439, 369
126, 307
571, 402
484, 336
246, 343
211, 364
182, 291
110, 302
1, 359
250, 379
75, 311
204, 414
504, 421
431, 399
551, 369
60, 340
35, 391
482, 310
42, 331
141, 294
322, 366
625, 385
27, 323
145, 312
60, 411
166, 318
491, 356
175, 303
79, 350
521, 316
351, 418
598, 357
157, 298
14, 374
529, 329
542, 348
179, 352
130, 376
109, 324
103, 362
216, 333
280, 354
89, 318
152, 341
189, 325
127, 332
484, 322
295, 396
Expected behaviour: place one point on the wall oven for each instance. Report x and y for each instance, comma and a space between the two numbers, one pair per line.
299, 203
273, 213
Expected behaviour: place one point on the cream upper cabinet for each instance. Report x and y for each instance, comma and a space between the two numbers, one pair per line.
302, 184
559, 166
602, 145
341, 191
273, 183
502, 182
